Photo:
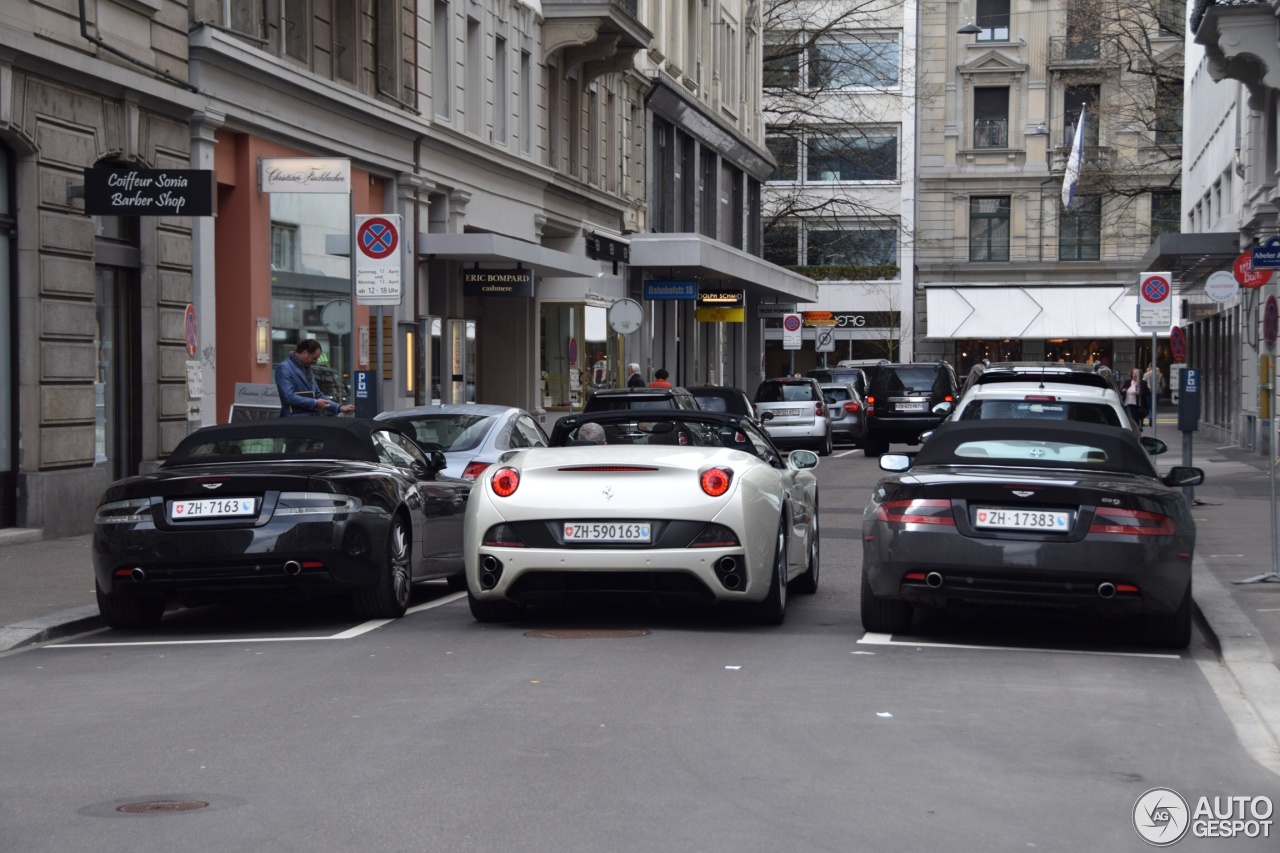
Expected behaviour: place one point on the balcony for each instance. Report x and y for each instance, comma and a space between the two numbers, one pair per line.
1094, 159
1240, 43
1077, 52
608, 29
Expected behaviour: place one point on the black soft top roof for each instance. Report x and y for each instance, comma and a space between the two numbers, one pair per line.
343, 438
1123, 452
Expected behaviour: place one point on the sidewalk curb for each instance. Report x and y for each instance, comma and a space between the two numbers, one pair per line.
1241, 648
51, 627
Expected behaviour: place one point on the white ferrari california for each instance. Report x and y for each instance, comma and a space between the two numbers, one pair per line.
676, 506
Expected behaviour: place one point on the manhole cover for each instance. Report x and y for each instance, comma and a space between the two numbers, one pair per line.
586, 633
162, 806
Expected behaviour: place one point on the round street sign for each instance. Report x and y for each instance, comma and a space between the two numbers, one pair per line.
1155, 288
1221, 286
377, 238
1270, 319
1246, 274
1177, 343
791, 322
191, 329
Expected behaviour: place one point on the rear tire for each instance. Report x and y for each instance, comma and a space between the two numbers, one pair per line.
773, 609
882, 615
126, 609
457, 583
873, 447
807, 583
494, 611
1171, 630
388, 598
824, 447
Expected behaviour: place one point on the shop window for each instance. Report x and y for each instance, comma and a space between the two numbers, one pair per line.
852, 247
973, 351
579, 355
1074, 99
1080, 230
989, 219
850, 61
1078, 351
991, 117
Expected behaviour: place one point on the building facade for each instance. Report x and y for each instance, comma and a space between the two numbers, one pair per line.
1007, 271
840, 84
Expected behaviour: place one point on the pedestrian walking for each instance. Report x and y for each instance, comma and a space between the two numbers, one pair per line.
300, 394
660, 378
634, 379
1136, 396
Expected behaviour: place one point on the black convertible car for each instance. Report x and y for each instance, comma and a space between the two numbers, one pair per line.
1030, 513
286, 505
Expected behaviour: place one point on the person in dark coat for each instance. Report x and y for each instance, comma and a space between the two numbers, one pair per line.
634, 379
300, 394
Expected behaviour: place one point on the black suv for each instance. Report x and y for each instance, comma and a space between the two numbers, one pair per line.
903, 400
621, 399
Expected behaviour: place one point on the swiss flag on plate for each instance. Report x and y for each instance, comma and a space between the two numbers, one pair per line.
568, 530
982, 516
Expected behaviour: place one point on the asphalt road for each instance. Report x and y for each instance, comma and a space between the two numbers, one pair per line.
304, 730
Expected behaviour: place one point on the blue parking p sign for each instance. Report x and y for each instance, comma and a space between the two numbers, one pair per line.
366, 393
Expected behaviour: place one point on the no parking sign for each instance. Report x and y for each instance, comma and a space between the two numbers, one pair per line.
791, 331
378, 259
1155, 301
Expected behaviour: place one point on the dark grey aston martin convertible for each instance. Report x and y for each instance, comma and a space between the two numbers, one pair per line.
1030, 513
285, 505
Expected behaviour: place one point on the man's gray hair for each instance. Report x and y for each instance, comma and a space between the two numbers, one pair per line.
633, 367
591, 432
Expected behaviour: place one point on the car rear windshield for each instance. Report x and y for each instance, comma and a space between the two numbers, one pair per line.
836, 395
447, 432
784, 392
905, 379
1035, 444
1056, 410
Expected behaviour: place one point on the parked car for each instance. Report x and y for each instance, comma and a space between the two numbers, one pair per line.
904, 400
674, 506
854, 376
1049, 514
291, 505
724, 398
845, 411
471, 435
1043, 401
794, 413
1095, 375
623, 399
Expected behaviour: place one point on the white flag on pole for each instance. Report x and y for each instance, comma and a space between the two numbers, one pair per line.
1071, 179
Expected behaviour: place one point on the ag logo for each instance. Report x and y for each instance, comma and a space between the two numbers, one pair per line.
1161, 817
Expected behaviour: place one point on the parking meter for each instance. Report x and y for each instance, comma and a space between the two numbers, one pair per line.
366, 396
1189, 399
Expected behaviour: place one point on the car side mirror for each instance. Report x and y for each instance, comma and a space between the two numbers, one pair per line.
802, 459
894, 462
942, 408
1153, 446
436, 461
766, 415
1183, 475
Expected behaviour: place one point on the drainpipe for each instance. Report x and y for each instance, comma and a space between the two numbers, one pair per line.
84, 33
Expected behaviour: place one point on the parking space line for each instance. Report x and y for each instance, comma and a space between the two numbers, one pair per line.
872, 639
350, 633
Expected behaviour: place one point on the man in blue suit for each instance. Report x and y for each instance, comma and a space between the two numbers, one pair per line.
300, 395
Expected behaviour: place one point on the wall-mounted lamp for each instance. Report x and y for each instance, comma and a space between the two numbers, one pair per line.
264, 340
408, 359
969, 29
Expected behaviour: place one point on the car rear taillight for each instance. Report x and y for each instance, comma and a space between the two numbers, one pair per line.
505, 482
473, 469
1131, 522
917, 511
715, 481
871, 405
818, 411
852, 407
715, 536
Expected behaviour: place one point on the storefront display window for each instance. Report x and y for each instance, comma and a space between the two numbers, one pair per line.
973, 351
1078, 350
579, 355
311, 289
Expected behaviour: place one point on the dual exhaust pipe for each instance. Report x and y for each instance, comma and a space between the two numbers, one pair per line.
727, 569
490, 571
1106, 589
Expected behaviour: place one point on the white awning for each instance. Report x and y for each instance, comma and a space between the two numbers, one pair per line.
681, 256
1060, 311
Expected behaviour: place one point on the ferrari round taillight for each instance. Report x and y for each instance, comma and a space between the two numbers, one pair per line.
715, 481
505, 482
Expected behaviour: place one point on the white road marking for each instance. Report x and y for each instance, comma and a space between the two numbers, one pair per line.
845, 452
887, 640
350, 633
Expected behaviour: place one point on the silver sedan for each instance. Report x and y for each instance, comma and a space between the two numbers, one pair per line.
471, 435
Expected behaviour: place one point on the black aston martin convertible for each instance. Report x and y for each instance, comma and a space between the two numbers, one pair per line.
286, 505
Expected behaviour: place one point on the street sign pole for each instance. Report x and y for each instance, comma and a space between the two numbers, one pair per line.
1155, 381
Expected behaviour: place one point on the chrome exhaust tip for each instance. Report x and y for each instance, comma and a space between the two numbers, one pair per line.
728, 564
488, 581
731, 581
934, 579
292, 568
1106, 589
490, 563
137, 575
